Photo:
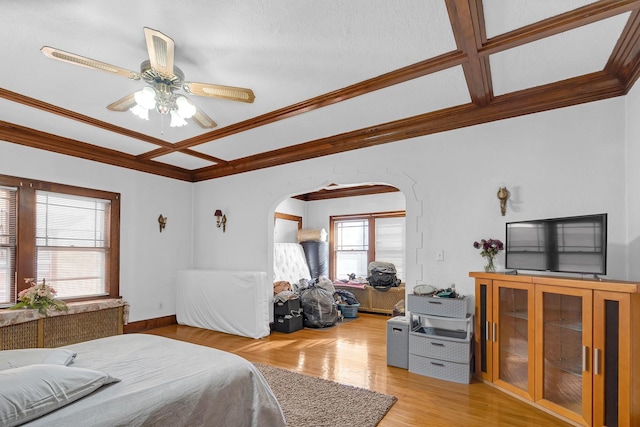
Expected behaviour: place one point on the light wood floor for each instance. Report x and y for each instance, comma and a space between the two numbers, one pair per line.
355, 354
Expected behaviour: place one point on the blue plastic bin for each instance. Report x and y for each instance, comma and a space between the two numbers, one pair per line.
349, 311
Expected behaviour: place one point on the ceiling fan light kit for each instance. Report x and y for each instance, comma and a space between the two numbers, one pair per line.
163, 79
164, 102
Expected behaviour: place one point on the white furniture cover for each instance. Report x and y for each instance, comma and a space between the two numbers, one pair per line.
234, 302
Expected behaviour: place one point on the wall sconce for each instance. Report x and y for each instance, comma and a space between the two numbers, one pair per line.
503, 195
221, 220
162, 222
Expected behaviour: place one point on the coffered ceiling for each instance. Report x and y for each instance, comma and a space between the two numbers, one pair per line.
328, 76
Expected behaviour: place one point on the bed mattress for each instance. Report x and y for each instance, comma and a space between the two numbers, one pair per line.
165, 382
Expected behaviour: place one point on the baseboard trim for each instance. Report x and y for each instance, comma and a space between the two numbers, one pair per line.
145, 325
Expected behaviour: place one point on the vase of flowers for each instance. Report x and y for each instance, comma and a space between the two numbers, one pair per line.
489, 248
39, 296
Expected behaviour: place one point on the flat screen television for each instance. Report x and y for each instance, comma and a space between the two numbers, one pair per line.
575, 244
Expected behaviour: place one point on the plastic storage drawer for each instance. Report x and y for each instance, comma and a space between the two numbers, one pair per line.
441, 369
445, 307
439, 348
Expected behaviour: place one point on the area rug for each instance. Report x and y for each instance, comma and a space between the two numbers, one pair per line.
309, 401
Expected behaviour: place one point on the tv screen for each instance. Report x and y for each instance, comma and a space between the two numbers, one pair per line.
566, 245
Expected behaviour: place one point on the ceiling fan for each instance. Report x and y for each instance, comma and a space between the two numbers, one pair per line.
163, 79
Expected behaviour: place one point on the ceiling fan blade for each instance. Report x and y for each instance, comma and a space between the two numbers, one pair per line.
72, 58
203, 120
161, 51
123, 104
219, 91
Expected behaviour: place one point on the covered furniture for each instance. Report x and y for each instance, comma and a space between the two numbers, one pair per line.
234, 302
317, 255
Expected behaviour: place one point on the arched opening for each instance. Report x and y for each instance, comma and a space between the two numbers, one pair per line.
375, 213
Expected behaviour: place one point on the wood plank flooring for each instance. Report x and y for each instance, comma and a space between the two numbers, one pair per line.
355, 354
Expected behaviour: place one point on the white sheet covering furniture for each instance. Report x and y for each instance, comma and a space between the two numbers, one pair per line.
234, 302
165, 382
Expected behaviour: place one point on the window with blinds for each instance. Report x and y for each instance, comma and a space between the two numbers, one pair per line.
72, 243
351, 247
68, 235
360, 239
7, 244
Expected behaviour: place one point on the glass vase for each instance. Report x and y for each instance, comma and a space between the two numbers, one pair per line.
490, 266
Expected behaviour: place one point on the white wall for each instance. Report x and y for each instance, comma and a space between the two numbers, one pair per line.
633, 181
148, 258
286, 231
558, 163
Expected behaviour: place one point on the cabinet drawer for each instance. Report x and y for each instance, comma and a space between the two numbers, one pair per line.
454, 351
441, 369
445, 307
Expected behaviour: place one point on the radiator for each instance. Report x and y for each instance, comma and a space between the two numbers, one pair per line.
373, 301
84, 321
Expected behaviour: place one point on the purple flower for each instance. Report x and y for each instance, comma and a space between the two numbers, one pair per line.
489, 247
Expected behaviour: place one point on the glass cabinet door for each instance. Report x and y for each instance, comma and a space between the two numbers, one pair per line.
611, 360
482, 329
513, 312
564, 358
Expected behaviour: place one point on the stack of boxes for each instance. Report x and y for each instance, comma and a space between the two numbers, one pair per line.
288, 315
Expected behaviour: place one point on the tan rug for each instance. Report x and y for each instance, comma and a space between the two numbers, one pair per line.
308, 401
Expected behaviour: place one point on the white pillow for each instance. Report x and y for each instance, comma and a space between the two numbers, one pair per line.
32, 356
31, 391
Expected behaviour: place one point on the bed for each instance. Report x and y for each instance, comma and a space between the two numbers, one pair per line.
164, 382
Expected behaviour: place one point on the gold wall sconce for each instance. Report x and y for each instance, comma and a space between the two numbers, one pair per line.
221, 220
162, 222
503, 195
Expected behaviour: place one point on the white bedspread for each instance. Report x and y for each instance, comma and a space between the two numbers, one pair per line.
167, 382
234, 302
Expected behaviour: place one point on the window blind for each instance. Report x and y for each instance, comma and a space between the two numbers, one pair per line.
72, 243
8, 221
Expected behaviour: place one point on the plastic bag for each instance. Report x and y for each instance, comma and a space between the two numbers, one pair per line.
319, 308
326, 284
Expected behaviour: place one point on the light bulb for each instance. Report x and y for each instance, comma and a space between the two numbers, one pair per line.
176, 120
146, 97
140, 111
186, 109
